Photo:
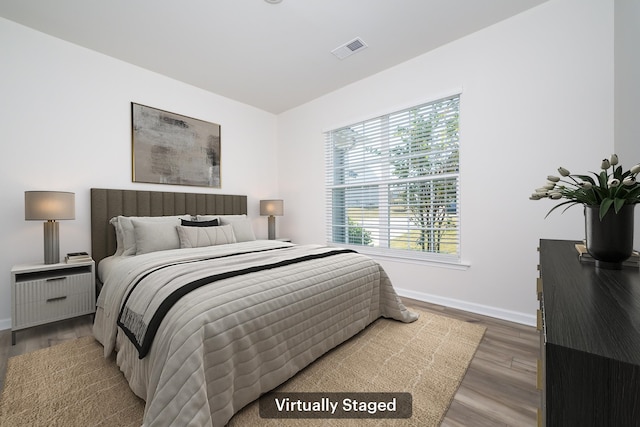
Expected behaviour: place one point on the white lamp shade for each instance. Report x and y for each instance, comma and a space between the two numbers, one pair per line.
272, 207
49, 205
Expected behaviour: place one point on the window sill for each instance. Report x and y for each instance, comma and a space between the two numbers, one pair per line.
452, 263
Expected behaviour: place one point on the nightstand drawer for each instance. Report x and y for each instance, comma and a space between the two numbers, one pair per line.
52, 309
59, 285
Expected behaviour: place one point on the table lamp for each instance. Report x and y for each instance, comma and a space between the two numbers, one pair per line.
272, 208
50, 206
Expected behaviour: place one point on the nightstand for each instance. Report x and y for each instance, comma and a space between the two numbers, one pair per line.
45, 293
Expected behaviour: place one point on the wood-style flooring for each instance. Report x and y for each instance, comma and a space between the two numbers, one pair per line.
499, 388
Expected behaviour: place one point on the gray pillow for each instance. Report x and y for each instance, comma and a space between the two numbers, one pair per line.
119, 236
242, 227
128, 233
155, 236
197, 237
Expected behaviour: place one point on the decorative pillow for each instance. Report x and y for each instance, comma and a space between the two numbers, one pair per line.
128, 232
197, 237
155, 236
242, 227
196, 223
207, 218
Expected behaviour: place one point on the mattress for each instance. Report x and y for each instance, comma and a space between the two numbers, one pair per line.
222, 345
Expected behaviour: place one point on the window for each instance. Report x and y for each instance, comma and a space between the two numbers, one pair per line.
392, 182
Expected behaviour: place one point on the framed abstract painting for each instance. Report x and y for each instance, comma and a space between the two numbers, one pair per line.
168, 148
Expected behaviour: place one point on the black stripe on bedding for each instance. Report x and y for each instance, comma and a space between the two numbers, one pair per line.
170, 300
190, 261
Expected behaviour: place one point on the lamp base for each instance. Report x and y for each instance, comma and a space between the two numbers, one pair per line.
272, 227
51, 242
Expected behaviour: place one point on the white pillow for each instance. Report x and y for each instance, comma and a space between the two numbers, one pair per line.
242, 227
155, 236
128, 232
197, 237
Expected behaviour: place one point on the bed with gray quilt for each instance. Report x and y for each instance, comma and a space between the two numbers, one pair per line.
205, 318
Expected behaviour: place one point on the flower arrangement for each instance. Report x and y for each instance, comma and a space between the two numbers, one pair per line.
611, 187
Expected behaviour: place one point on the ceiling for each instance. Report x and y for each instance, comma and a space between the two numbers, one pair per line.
272, 56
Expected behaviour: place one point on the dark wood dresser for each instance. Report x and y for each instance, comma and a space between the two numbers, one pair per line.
589, 322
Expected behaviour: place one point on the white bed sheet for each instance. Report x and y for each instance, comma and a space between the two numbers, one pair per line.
108, 264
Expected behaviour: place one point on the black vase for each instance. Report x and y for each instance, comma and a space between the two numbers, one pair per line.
610, 240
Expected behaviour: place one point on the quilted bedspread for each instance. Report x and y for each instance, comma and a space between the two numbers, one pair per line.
258, 313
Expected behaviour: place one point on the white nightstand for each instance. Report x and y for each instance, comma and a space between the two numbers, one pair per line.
44, 293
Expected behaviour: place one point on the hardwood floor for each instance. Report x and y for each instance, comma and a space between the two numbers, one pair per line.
499, 388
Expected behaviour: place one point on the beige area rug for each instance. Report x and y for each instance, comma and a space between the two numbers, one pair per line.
71, 384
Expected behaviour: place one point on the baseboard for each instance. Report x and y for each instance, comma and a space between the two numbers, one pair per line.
485, 310
511, 316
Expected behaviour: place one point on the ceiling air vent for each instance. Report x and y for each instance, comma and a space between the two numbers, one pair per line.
349, 48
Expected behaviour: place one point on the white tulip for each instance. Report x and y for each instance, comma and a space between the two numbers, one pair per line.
605, 164
562, 171
585, 185
614, 182
555, 195
553, 178
634, 170
629, 181
614, 159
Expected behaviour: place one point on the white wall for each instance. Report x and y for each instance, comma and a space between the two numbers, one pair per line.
66, 126
537, 93
627, 88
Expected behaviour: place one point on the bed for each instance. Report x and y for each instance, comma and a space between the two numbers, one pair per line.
203, 328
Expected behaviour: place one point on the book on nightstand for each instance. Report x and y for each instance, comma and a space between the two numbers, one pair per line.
77, 257
585, 256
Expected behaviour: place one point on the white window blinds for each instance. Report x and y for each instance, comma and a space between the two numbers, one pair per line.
392, 181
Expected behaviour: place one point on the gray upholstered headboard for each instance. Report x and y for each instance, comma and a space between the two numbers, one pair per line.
107, 203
